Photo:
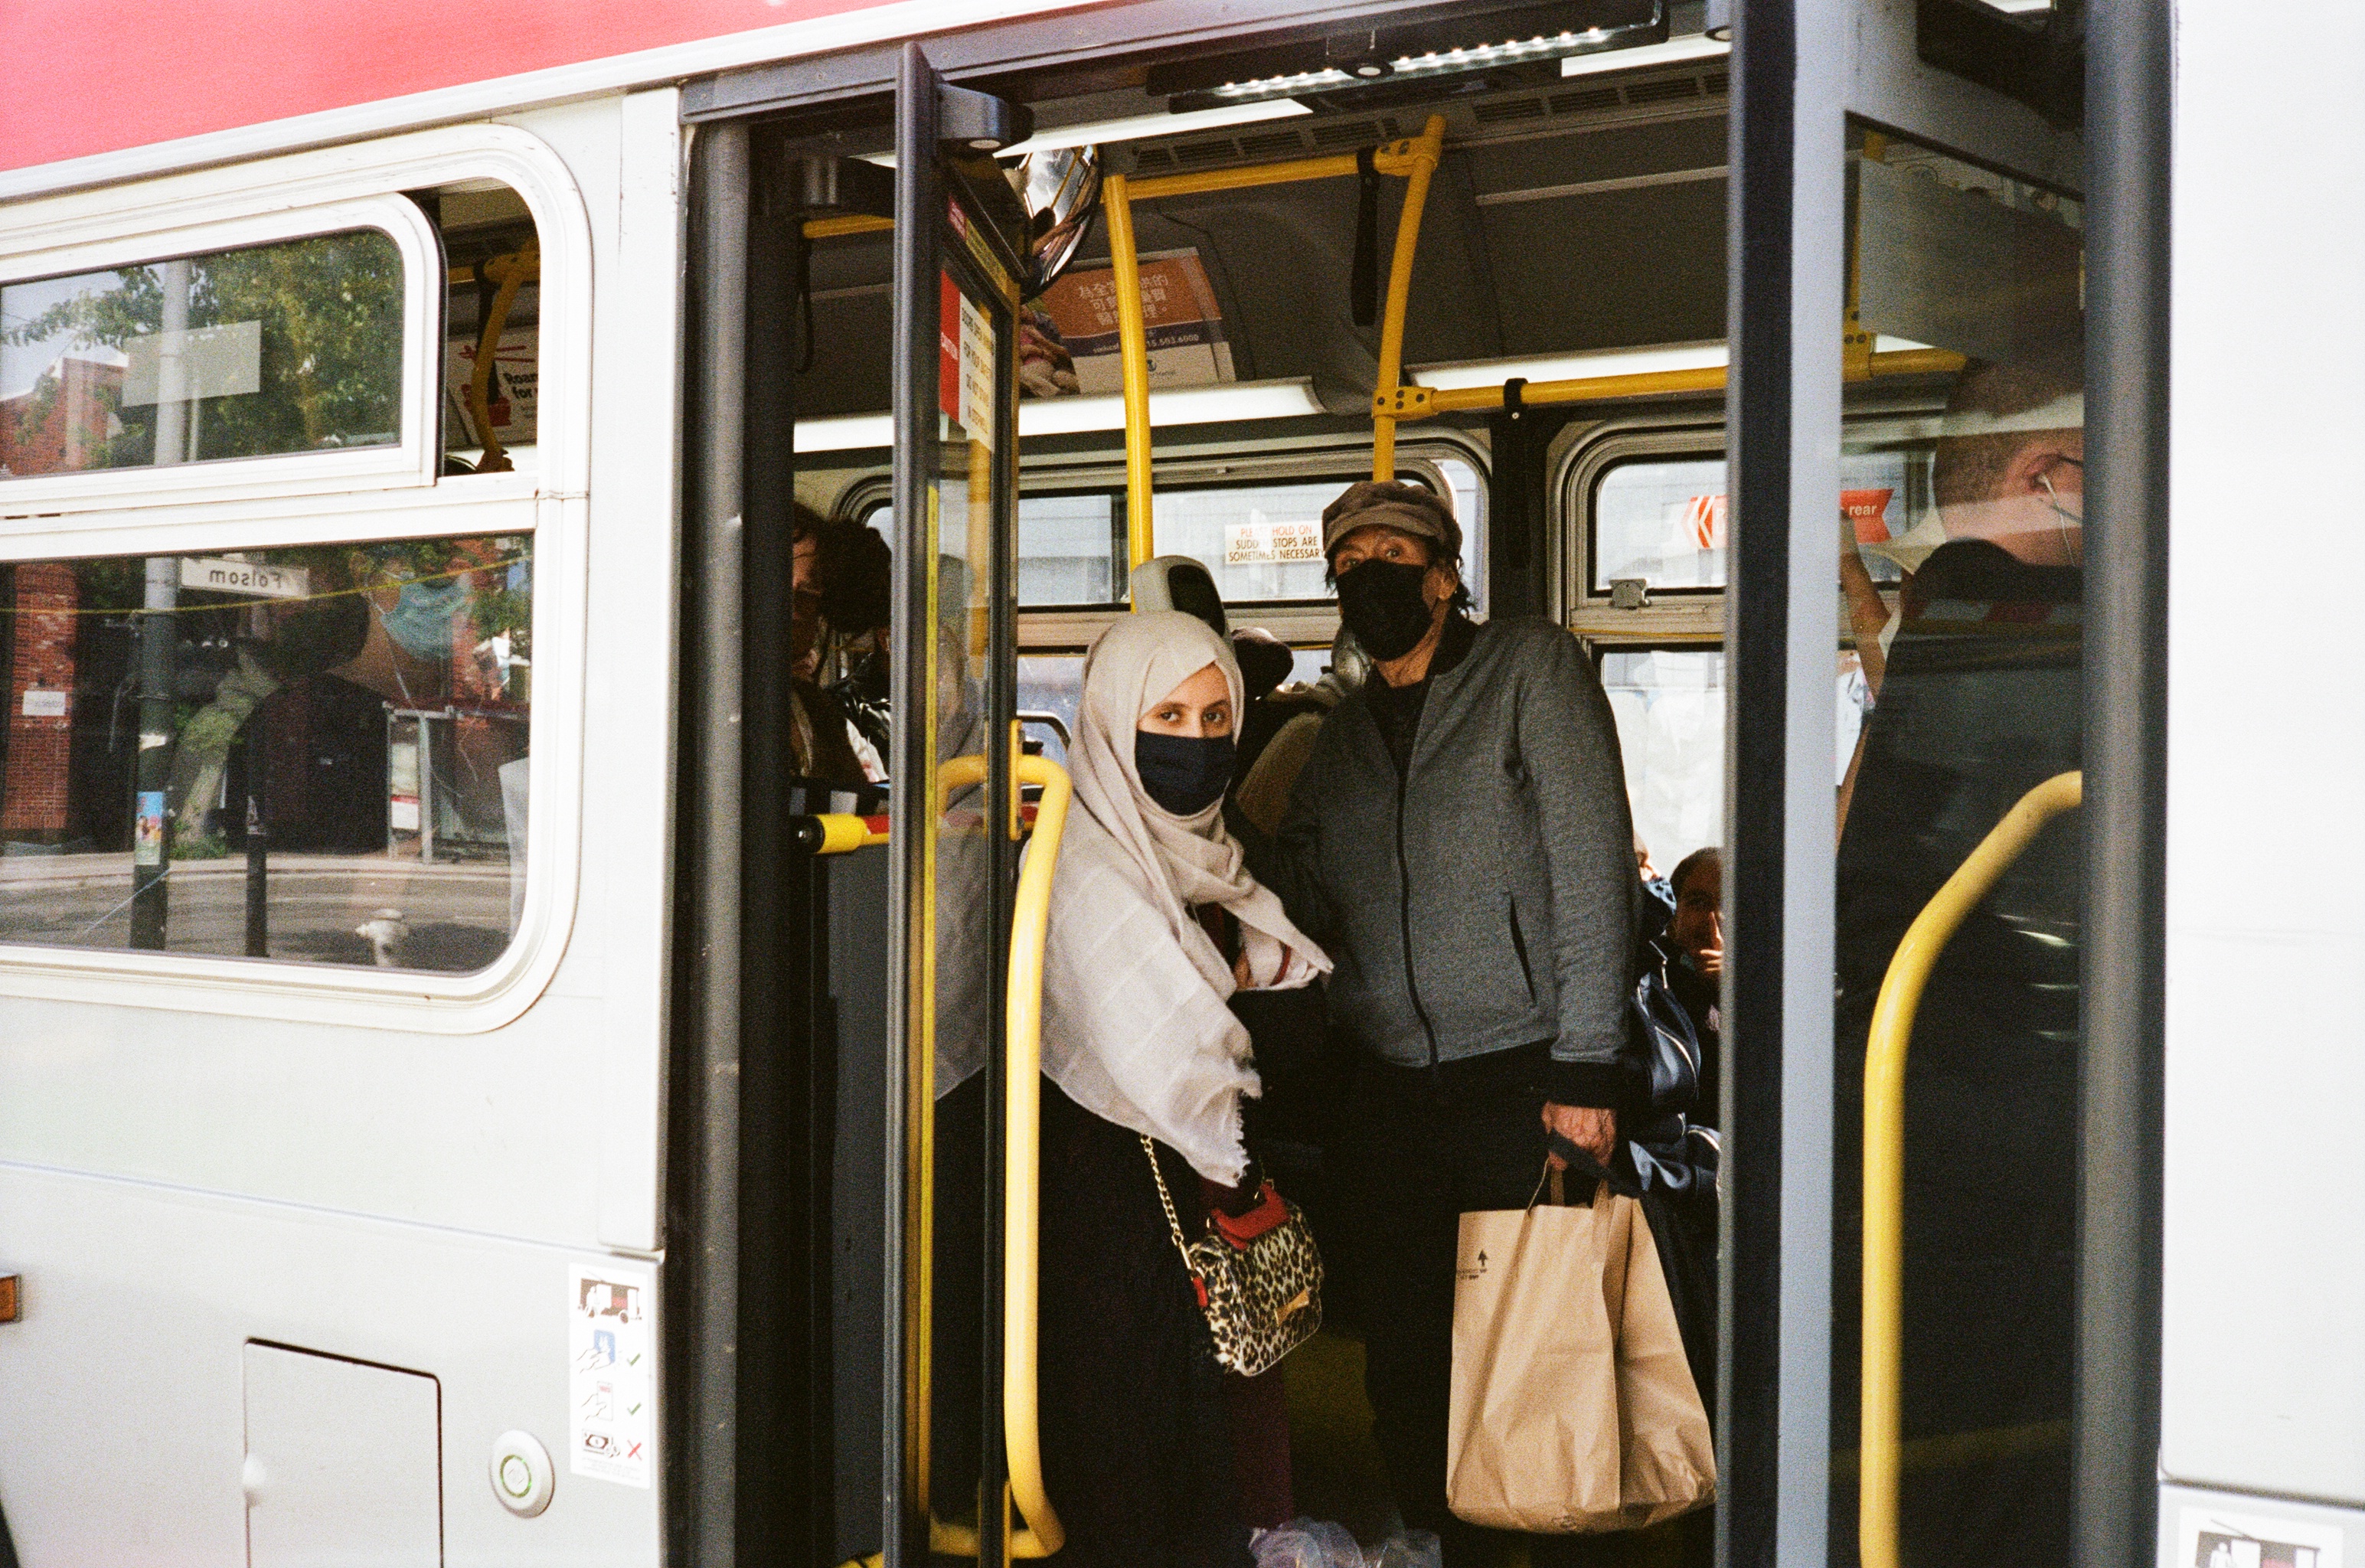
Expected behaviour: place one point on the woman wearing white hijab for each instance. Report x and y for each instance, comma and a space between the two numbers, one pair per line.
1155, 922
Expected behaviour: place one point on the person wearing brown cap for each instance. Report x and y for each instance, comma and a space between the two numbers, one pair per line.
1459, 840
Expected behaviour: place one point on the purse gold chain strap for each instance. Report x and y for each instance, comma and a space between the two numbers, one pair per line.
1166, 1202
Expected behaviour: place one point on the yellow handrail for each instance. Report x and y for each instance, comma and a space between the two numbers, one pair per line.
1884, 1152
1133, 354
842, 832
1422, 153
509, 271
1023, 1167
1390, 160
1420, 402
1023, 1170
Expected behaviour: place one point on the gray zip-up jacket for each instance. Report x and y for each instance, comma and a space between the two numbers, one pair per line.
1486, 899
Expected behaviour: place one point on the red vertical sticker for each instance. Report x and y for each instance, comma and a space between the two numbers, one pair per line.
948, 342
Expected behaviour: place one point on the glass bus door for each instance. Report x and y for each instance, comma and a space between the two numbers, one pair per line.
953, 817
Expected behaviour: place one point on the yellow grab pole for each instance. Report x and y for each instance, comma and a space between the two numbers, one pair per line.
1022, 1172
1133, 352
1424, 151
509, 271
1882, 1374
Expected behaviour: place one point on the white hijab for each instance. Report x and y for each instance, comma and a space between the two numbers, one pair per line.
1135, 1025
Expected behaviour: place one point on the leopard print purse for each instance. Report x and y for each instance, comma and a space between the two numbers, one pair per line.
1262, 1297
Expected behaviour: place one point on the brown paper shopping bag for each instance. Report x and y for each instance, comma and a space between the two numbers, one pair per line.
1573, 1408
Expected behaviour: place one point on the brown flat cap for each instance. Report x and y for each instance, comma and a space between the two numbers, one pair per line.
1391, 503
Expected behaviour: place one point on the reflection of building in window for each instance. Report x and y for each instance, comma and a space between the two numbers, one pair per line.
40, 698
64, 420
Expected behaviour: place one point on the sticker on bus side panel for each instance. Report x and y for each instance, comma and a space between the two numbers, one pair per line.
610, 1371
2215, 1537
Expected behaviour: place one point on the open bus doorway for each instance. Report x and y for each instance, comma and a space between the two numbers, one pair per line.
1573, 235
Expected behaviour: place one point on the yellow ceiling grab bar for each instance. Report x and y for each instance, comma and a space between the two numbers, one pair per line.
1882, 1377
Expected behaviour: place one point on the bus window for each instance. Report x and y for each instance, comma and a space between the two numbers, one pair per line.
344, 739
1661, 521
1261, 541
260, 350
1070, 549
1669, 704
488, 233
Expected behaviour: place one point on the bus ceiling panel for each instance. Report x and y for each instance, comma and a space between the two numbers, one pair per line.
1551, 244
1537, 168
1609, 269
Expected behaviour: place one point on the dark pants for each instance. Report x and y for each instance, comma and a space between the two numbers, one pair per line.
1138, 1452
1420, 1146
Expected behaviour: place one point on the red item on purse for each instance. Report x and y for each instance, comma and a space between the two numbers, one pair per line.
1241, 1229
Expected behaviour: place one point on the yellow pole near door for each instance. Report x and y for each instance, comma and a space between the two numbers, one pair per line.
1133, 350
1882, 1378
1023, 1170
1423, 152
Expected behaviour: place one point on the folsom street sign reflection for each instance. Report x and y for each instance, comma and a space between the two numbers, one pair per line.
218, 573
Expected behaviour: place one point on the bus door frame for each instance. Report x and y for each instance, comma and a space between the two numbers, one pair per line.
1800, 69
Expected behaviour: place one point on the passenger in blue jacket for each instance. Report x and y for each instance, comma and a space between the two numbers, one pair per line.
1459, 842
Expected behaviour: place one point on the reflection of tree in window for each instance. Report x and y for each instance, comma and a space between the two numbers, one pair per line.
329, 315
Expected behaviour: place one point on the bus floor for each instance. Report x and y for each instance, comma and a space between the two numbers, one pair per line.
1338, 1474
1336, 1471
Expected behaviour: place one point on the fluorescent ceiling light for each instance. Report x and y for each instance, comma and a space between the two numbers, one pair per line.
1512, 51
1574, 366
1220, 404
1142, 127
1136, 128
1671, 53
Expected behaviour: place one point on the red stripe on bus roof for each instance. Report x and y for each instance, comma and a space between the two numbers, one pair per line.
79, 77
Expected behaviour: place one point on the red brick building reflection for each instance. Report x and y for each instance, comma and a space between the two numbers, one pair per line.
33, 797
61, 422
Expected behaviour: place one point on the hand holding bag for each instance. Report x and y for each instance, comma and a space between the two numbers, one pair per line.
1259, 1277
1573, 1407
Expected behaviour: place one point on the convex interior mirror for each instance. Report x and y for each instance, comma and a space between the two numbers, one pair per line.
1061, 188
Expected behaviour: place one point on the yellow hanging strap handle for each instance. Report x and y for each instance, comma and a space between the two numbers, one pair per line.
510, 272
1022, 1177
1884, 1151
1133, 354
1418, 158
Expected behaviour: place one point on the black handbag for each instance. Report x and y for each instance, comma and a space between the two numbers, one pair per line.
1662, 1050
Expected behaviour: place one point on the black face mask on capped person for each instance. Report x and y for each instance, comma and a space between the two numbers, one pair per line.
1381, 603
1185, 774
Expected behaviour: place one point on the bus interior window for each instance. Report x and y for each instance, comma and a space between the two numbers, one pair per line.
494, 276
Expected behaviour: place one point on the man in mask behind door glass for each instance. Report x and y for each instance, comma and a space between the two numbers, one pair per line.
1459, 840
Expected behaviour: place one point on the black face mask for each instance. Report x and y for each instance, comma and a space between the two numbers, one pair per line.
1185, 774
1381, 602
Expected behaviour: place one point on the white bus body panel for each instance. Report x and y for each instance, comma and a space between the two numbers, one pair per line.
176, 1183
2264, 1362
